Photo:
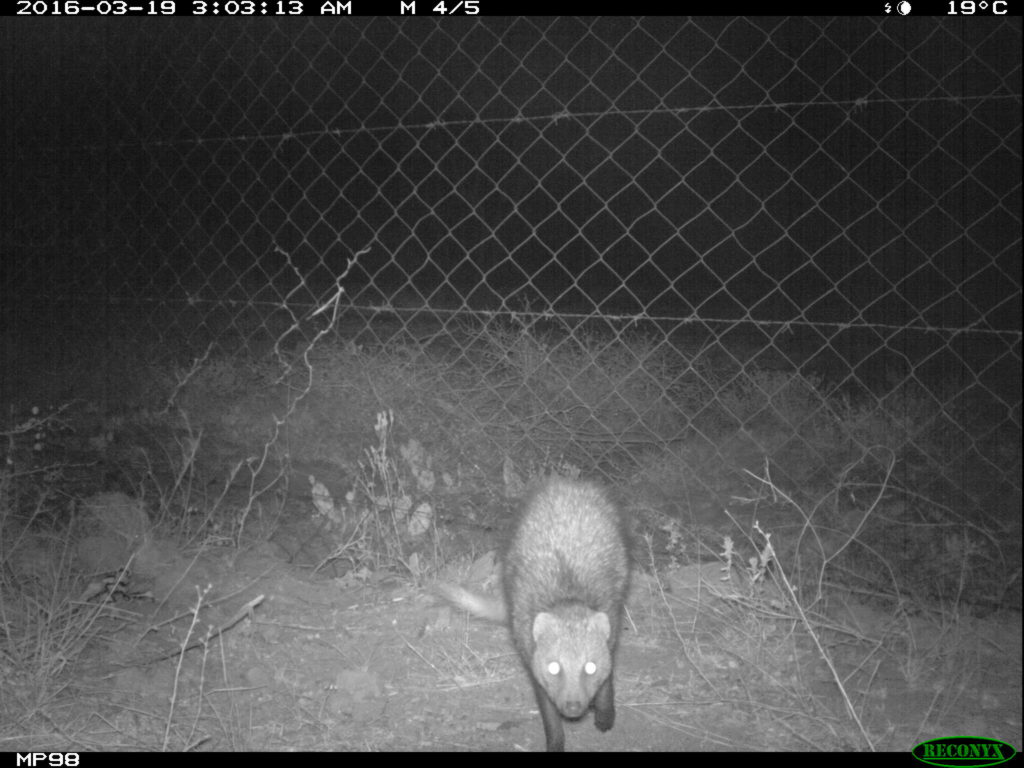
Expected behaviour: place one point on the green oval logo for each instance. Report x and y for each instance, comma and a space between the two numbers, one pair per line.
958, 751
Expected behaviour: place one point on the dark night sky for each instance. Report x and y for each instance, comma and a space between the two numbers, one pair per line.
844, 170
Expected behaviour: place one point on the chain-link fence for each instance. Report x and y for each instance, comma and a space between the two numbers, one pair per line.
829, 201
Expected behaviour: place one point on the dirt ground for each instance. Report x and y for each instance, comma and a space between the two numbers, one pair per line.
280, 658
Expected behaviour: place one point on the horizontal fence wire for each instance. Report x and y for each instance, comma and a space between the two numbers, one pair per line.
775, 207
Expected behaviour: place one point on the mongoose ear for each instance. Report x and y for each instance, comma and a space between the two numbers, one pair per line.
544, 624
599, 622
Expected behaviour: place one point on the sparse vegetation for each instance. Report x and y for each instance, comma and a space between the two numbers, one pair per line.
780, 527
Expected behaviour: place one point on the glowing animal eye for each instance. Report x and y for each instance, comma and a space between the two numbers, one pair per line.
590, 667
554, 668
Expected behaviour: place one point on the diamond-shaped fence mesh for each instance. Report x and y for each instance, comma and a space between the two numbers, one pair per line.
760, 202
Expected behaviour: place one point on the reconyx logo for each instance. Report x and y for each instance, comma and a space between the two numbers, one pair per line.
963, 751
